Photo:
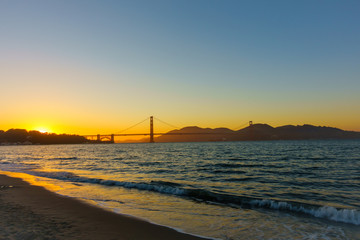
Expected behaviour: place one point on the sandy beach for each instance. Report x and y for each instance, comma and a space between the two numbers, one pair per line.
31, 212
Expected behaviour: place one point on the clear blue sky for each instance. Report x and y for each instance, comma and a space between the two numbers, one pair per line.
72, 66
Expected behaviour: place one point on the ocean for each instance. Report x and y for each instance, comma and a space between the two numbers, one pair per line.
223, 190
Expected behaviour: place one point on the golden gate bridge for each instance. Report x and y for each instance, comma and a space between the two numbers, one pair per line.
111, 137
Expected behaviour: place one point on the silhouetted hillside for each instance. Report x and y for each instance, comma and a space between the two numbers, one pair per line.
203, 134
311, 132
21, 136
256, 132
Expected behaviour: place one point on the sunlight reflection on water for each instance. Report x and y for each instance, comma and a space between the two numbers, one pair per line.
211, 189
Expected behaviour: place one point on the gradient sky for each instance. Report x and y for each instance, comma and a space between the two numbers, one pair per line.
90, 67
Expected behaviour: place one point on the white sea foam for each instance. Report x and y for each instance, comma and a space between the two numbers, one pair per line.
339, 215
146, 186
68, 176
209, 175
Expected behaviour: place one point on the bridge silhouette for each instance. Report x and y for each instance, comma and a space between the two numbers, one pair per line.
110, 138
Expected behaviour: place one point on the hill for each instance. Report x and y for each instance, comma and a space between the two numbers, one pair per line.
22, 136
256, 132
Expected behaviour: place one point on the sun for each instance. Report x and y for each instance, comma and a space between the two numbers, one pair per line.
42, 129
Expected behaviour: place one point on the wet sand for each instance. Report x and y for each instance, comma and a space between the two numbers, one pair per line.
31, 213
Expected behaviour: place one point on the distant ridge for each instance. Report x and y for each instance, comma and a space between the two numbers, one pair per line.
256, 132
24, 137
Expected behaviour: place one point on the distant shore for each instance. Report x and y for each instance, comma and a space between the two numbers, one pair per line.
254, 132
31, 212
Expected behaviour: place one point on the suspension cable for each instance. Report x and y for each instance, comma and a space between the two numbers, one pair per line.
133, 125
166, 123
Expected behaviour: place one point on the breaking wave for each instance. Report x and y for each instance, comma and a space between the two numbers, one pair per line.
351, 216
331, 213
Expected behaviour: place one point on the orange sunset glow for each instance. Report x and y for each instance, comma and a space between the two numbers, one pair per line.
179, 119
102, 76
43, 130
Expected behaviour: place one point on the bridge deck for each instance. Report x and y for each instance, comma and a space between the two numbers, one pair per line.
147, 134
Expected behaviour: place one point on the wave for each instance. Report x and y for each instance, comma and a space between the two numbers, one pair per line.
15, 167
237, 159
228, 171
227, 165
323, 158
65, 158
351, 216
339, 215
235, 165
5, 162
242, 179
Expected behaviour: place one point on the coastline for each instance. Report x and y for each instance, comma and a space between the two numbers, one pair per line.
32, 212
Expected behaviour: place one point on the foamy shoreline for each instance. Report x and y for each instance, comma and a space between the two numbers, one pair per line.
31, 212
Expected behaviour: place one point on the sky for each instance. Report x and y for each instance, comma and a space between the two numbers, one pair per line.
89, 67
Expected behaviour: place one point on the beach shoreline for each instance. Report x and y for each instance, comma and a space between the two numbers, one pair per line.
32, 212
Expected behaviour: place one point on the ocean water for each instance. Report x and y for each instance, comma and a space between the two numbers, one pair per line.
223, 190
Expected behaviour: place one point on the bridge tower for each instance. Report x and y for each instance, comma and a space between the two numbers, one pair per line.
151, 129
251, 132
